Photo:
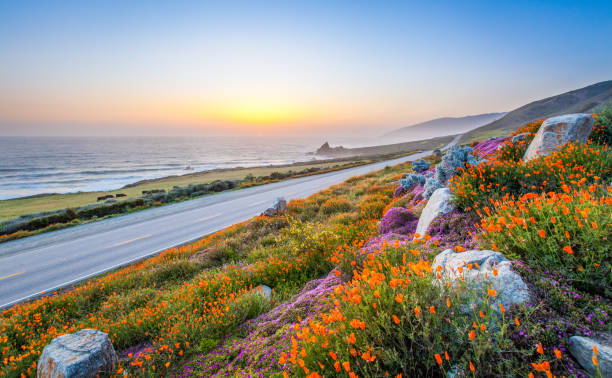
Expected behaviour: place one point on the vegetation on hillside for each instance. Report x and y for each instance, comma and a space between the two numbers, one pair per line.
354, 295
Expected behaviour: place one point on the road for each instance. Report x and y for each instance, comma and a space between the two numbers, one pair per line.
58, 259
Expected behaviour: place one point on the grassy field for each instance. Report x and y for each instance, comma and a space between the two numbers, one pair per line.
15, 207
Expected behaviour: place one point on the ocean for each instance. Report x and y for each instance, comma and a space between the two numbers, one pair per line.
36, 165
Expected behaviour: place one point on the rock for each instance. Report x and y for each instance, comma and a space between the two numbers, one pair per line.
279, 206
87, 353
325, 149
510, 287
519, 137
557, 131
582, 350
439, 203
264, 290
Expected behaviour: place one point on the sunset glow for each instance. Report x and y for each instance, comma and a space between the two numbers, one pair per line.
227, 68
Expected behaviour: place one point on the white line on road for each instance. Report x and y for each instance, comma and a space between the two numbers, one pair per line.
258, 203
131, 240
209, 218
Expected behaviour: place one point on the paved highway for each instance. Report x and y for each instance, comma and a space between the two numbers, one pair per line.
47, 262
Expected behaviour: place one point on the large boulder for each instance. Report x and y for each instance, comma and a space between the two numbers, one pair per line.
557, 131
439, 203
278, 206
483, 268
87, 353
582, 350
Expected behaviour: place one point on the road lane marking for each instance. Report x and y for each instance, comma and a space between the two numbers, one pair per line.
290, 194
11, 275
132, 240
210, 217
258, 203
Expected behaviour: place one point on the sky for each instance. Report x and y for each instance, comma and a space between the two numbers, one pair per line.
286, 68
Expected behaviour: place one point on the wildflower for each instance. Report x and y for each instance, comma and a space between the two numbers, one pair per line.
432, 310
595, 350
472, 335
472, 368
399, 298
417, 311
595, 361
492, 292
542, 233
396, 319
346, 365
568, 250
502, 309
558, 354
540, 349
351, 339
516, 321
438, 359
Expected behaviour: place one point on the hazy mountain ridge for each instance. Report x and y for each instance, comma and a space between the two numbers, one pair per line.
583, 100
445, 126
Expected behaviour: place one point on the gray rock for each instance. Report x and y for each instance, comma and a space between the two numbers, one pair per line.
582, 350
264, 290
86, 353
519, 137
510, 287
557, 131
279, 206
439, 203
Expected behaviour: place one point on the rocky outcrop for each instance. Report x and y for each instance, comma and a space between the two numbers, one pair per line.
483, 268
325, 149
278, 206
582, 350
439, 203
557, 131
87, 353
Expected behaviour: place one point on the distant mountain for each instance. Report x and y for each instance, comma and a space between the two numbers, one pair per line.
444, 126
583, 100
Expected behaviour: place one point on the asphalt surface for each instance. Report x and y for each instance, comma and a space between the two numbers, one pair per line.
58, 259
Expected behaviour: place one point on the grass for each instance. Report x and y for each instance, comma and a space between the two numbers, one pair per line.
19, 206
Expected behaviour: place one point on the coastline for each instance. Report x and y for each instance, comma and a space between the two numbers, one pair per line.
15, 207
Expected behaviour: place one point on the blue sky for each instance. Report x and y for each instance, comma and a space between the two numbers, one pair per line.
253, 67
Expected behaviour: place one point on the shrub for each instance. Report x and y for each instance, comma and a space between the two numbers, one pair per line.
420, 166
412, 179
394, 318
602, 132
398, 220
456, 157
336, 205
479, 186
568, 232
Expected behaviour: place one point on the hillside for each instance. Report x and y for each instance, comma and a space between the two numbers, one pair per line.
444, 126
583, 100
385, 274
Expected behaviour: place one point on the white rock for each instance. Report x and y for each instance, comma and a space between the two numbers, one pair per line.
439, 203
509, 286
582, 350
87, 353
557, 131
